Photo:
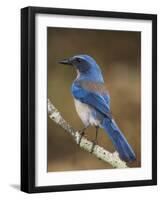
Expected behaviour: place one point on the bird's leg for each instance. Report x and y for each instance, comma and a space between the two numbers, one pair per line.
95, 142
82, 132
96, 138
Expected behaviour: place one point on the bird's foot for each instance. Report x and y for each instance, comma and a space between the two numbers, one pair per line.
94, 143
82, 133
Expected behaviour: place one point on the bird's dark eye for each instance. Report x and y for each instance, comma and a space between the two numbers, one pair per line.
78, 60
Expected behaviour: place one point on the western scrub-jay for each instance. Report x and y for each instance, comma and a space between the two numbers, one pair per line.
92, 103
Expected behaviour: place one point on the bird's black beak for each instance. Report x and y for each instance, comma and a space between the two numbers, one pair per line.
65, 62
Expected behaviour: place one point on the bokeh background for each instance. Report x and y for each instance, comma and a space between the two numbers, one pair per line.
118, 54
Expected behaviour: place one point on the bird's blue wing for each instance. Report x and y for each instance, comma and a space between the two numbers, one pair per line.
98, 101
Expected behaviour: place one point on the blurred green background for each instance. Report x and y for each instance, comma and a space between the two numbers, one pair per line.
118, 54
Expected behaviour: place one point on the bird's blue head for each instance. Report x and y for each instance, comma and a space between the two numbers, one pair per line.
86, 66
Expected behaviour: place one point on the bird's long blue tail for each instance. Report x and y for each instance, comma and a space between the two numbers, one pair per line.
125, 151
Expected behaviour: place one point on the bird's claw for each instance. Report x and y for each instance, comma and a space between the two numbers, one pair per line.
81, 135
94, 143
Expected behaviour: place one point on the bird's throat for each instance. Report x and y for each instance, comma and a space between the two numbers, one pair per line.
78, 74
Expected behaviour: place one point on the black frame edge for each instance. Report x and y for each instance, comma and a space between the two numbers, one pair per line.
27, 100
96, 13
24, 100
154, 99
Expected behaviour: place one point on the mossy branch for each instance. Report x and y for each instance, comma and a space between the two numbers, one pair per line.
98, 151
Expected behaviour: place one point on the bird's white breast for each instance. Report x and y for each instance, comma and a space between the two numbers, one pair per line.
85, 113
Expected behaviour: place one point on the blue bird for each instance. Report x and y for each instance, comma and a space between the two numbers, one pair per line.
92, 103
